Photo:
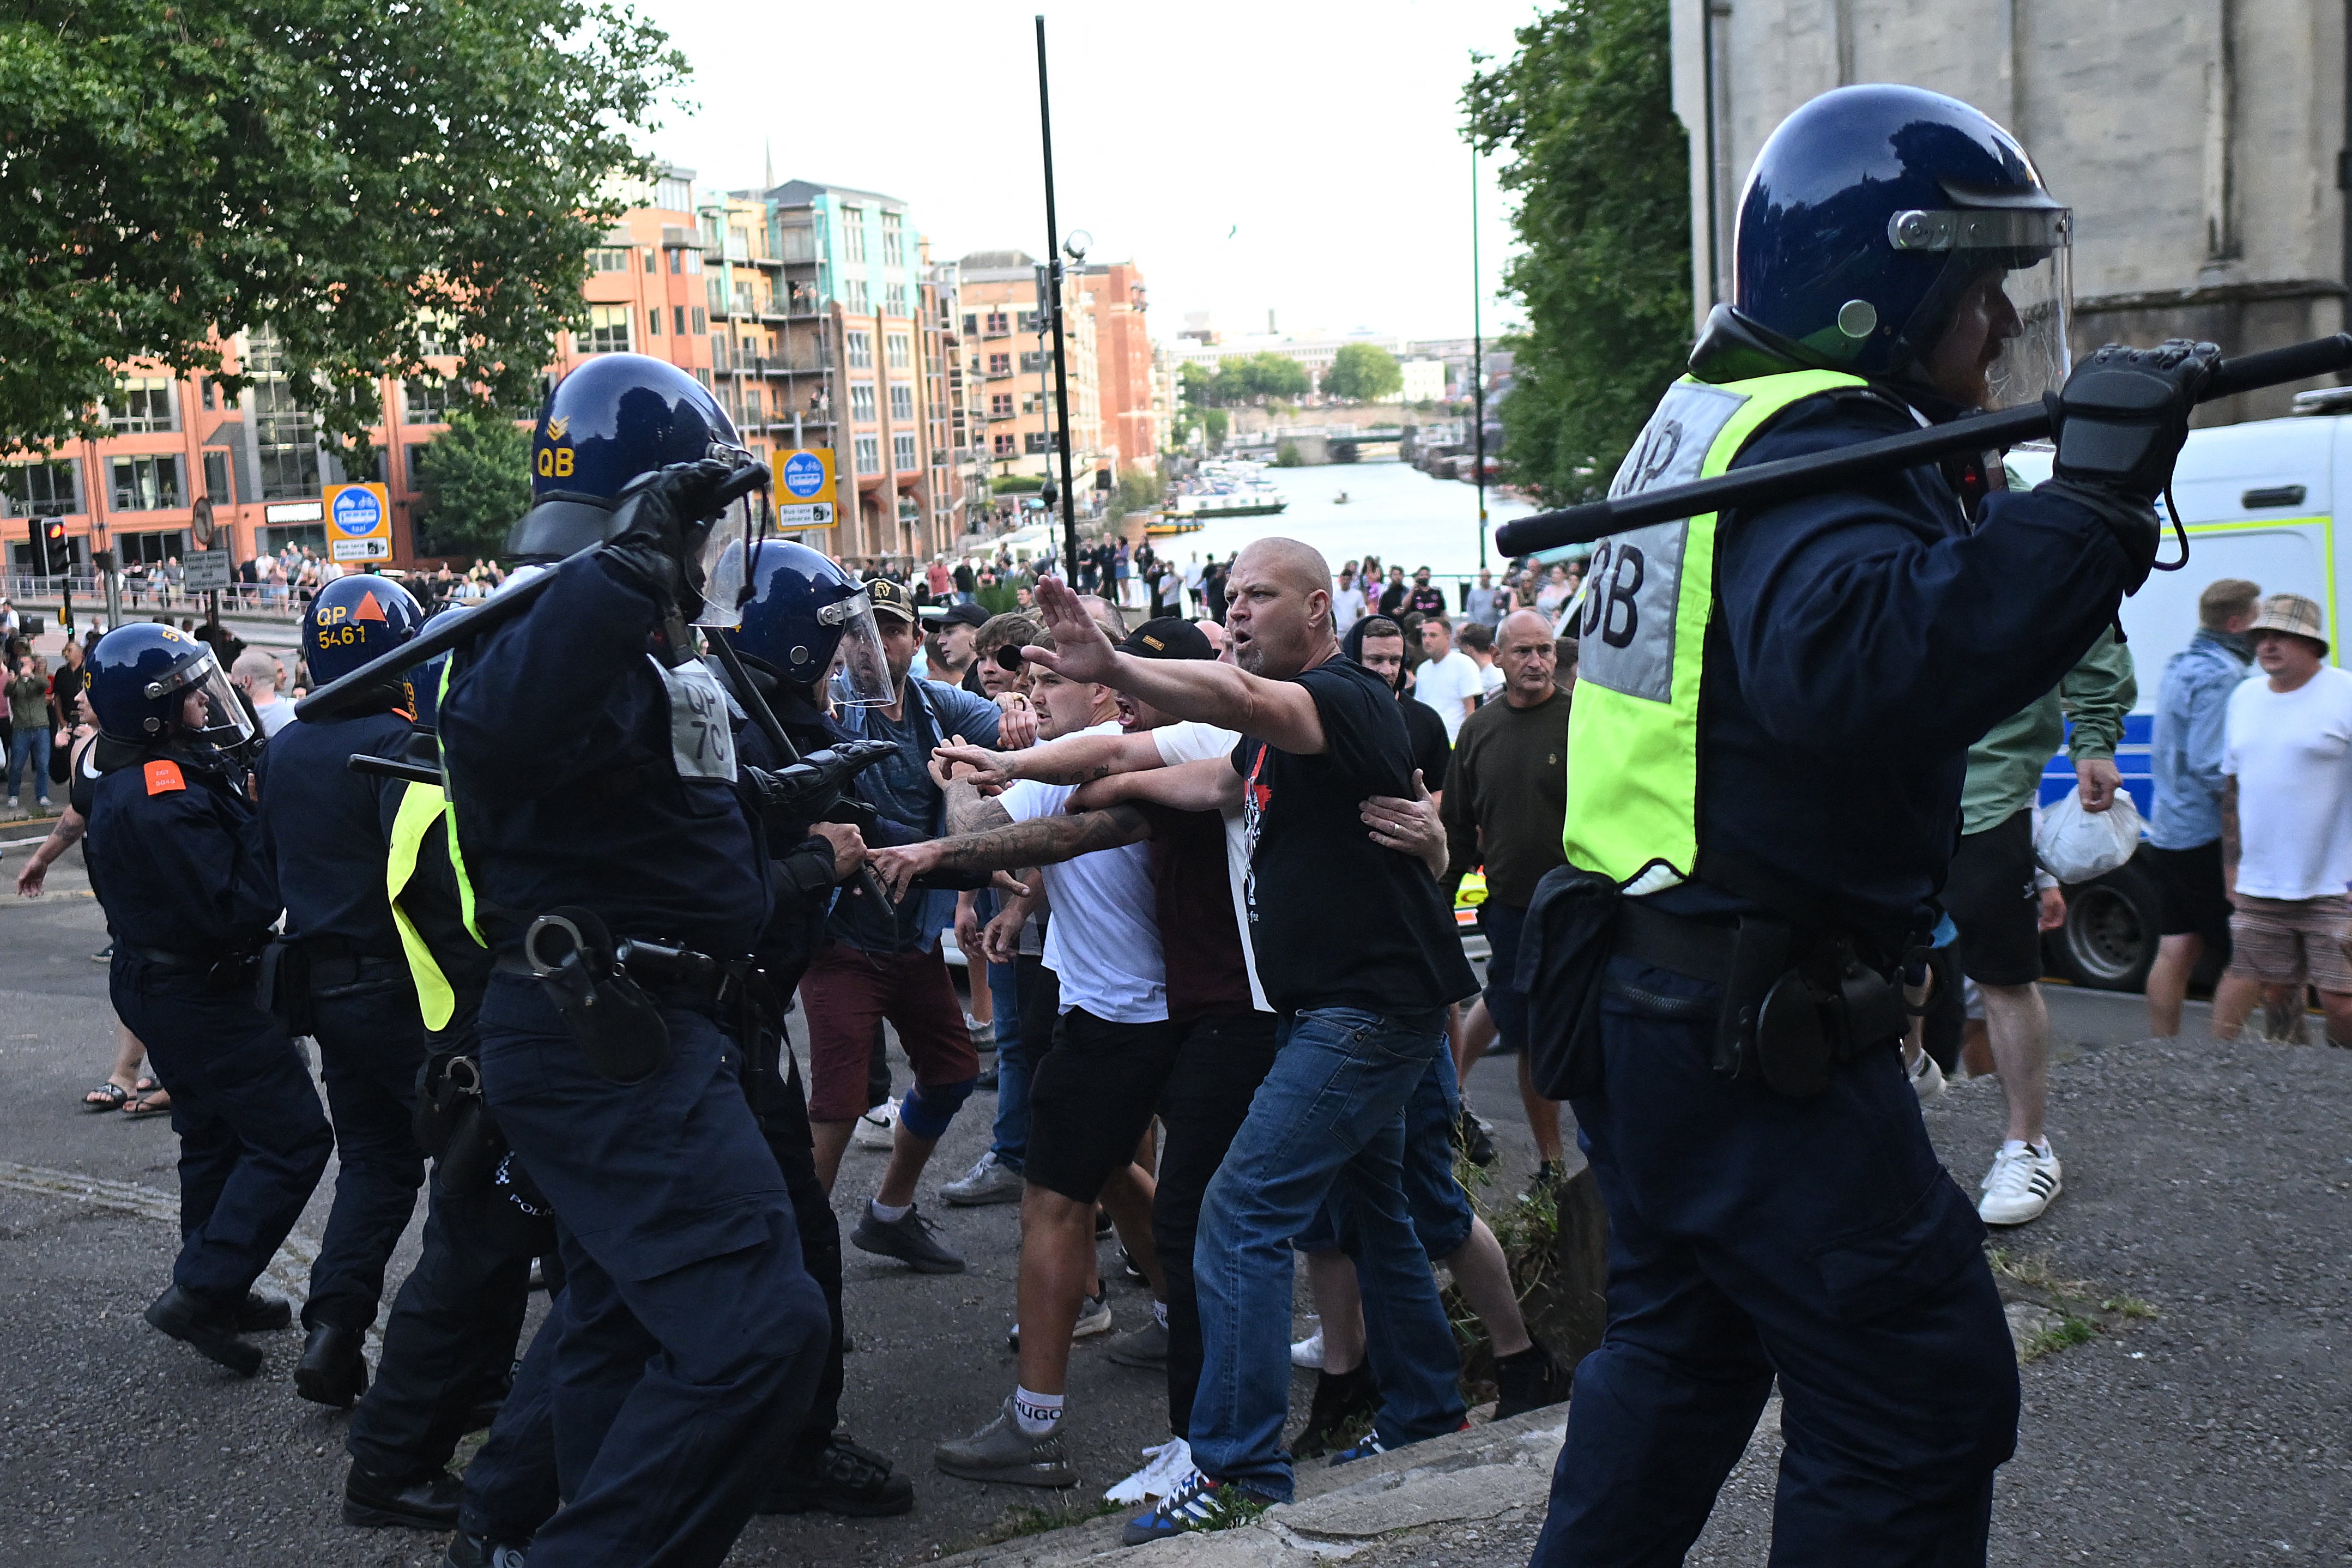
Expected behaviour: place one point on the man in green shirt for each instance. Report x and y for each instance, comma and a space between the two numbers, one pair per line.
1991, 896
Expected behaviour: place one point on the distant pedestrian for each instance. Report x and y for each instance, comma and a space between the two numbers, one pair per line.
2287, 827
1482, 604
1426, 598
29, 740
1449, 681
2184, 825
1347, 601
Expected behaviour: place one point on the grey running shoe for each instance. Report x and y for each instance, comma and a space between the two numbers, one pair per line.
1147, 1346
1094, 1318
986, 1182
909, 1240
1002, 1451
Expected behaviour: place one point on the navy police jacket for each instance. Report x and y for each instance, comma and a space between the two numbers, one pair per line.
583, 770
178, 849
328, 829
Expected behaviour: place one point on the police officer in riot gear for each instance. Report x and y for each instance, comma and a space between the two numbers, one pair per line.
190, 898
1772, 716
592, 779
341, 976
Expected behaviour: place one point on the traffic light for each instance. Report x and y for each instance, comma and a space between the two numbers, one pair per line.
55, 557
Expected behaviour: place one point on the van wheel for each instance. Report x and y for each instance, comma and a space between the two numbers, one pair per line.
2109, 939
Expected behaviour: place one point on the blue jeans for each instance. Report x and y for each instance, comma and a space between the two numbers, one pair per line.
1327, 1122
30, 743
1442, 1216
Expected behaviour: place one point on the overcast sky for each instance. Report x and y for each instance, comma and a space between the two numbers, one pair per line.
1248, 154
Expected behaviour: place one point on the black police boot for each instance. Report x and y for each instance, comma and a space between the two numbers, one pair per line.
477, 1551
258, 1313
424, 1502
1345, 1404
1528, 1381
208, 1326
846, 1478
332, 1371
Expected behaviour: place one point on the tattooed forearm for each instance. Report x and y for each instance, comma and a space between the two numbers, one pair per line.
969, 810
1045, 840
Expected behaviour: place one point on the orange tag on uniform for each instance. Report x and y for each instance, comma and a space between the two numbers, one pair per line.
162, 776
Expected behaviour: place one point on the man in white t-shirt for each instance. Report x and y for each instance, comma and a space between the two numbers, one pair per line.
1347, 602
2287, 827
1450, 682
1477, 642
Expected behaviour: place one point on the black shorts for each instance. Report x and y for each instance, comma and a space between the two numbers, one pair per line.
2191, 900
1990, 896
1091, 1098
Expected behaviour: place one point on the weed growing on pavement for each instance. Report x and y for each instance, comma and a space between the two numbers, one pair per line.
2070, 1333
2034, 1278
2127, 1307
1022, 1519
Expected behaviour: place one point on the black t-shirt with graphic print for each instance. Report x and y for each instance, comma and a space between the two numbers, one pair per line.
1336, 920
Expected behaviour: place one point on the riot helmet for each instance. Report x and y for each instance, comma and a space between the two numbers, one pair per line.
353, 619
1901, 235
152, 683
807, 620
607, 422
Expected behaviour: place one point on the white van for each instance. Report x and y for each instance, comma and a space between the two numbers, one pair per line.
2258, 501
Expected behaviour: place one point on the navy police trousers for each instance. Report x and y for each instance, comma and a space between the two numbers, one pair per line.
253, 1142
1753, 1236
691, 1333
371, 1045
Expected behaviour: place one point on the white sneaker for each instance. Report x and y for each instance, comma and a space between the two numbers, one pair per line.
984, 1035
1309, 1352
1171, 1461
1926, 1079
1094, 1318
874, 1128
2020, 1184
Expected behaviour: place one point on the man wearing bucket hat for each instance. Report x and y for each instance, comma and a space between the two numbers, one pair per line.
2286, 825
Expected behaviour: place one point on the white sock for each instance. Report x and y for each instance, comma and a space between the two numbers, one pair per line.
1159, 1313
2018, 1146
1036, 1413
888, 1214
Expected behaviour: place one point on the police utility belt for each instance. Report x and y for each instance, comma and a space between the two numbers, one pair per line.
1797, 1005
609, 991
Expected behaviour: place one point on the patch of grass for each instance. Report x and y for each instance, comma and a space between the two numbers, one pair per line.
2034, 1268
2070, 1333
1022, 1519
2127, 1307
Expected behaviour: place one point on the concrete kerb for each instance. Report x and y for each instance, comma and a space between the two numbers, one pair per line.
1465, 1476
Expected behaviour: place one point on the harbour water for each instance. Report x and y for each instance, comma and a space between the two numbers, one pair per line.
1393, 511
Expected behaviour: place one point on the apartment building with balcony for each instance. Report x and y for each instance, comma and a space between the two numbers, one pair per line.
1009, 359
1113, 295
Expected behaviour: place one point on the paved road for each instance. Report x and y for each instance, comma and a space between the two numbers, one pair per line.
2213, 1183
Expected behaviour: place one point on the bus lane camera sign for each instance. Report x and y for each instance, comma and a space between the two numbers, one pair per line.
359, 523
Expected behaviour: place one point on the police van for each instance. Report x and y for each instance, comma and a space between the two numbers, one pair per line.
2258, 501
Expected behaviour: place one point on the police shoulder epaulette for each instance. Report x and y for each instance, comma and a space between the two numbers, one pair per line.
164, 775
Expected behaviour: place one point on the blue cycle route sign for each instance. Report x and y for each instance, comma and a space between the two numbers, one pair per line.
804, 475
357, 513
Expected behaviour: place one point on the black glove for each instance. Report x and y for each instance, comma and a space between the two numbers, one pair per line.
2120, 421
660, 524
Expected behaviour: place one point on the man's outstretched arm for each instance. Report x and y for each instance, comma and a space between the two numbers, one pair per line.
1072, 760
1042, 840
1210, 785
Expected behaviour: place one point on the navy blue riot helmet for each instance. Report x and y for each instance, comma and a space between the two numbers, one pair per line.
352, 619
1877, 216
153, 684
612, 418
808, 618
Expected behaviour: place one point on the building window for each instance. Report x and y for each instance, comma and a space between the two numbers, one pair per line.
971, 325
998, 322
853, 234
608, 258
894, 299
146, 484
861, 350
413, 464
1033, 363
674, 195
869, 453
1036, 441
893, 241
1000, 364
751, 406
701, 321
149, 549
653, 322
702, 375
861, 401
289, 442
1000, 405
216, 476
1029, 322
143, 407
211, 393
607, 334
902, 452
854, 298
693, 262
718, 352
714, 295
900, 349
649, 258
902, 403
427, 400
1004, 447
678, 320
40, 489
263, 355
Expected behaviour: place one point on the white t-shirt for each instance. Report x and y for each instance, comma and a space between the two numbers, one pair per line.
274, 716
1347, 608
1189, 742
1103, 939
1445, 685
1490, 680
2291, 753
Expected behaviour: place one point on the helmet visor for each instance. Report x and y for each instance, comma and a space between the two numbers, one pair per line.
860, 676
720, 569
209, 709
1999, 315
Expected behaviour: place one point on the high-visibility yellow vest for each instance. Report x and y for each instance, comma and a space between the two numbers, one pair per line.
1641, 624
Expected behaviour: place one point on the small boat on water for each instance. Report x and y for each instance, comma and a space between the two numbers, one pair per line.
1340, 499
1234, 488
1163, 524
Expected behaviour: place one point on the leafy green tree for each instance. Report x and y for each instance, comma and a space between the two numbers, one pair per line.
1216, 422
476, 477
1197, 384
371, 180
1362, 372
1260, 378
1601, 167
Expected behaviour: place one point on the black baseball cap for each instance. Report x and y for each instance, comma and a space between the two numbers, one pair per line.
1168, 637
963, 614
